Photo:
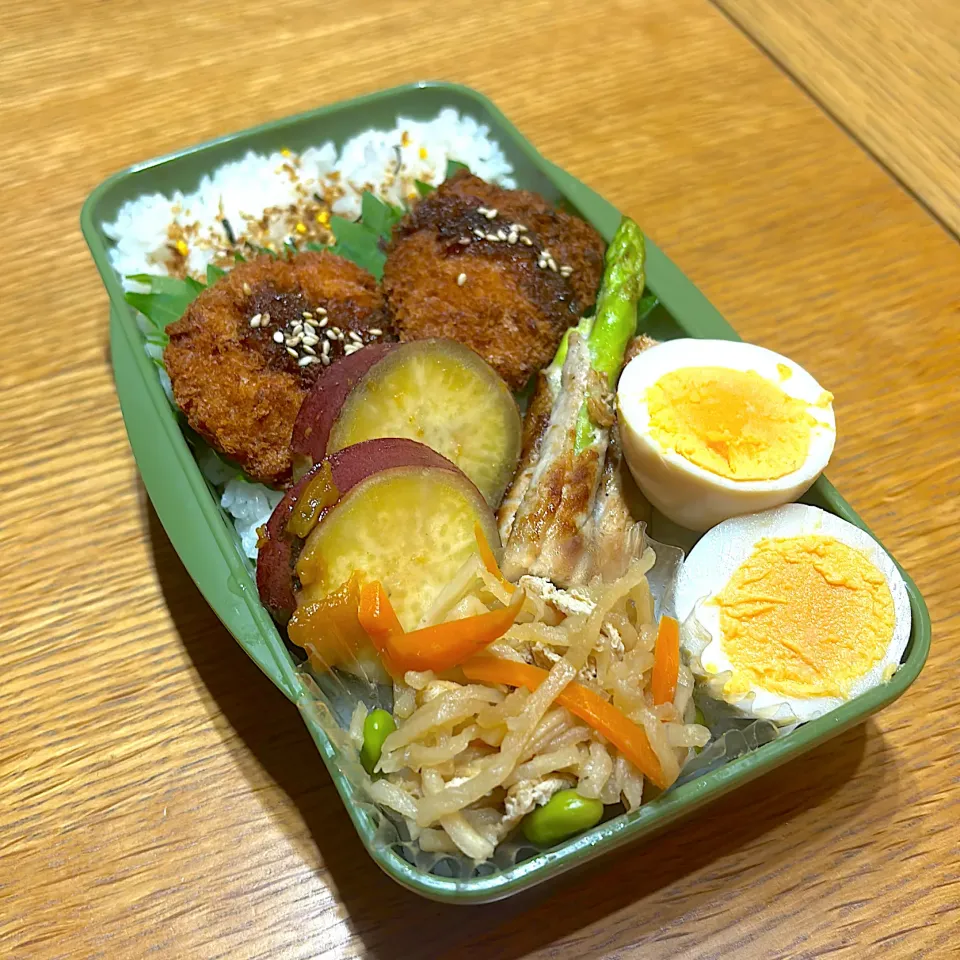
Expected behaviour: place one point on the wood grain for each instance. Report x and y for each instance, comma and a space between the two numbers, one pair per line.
158, 798
889, 72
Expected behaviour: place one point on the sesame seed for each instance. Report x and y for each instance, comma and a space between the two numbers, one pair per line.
461, 280
322, 323
325, 349
246, 289
552, 264
297, 328
303, 361
326, 360
320, 311
520, 228
501, 235
311, 341
293, 353
310, 328
356, 336
375, 332
512, 239
565, 271
255, 320
331, 335
526, 241
490, 214
463, 241
278, 337
307, 315
482, 210
308, 349
477, 232
492, 237
541, 263
265, 319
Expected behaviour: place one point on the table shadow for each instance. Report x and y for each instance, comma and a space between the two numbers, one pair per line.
393, 923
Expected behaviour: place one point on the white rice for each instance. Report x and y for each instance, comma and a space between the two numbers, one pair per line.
244, 189
386, 162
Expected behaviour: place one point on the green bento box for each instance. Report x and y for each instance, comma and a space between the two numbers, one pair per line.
209, 548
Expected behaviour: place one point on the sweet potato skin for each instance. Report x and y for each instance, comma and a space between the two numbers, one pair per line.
279, 550
321, 406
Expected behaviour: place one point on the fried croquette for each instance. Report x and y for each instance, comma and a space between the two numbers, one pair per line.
248, 349
499, 270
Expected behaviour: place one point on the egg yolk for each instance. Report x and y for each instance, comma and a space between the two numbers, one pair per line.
804, 616
733, 423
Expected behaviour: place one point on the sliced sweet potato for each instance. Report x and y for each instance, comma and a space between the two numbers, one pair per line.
440, 393
319, 409
279, 549
411, 528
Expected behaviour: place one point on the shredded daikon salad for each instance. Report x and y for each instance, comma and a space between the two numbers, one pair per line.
470, 759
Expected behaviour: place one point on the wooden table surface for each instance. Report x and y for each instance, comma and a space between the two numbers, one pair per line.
888, 71
158, 798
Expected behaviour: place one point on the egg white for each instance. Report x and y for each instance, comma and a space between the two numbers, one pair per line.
684, 492
712, 563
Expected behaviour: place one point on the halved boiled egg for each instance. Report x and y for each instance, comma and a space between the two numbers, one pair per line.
794, 612
713, 429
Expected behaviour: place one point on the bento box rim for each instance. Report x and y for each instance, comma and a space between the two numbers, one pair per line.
680, 298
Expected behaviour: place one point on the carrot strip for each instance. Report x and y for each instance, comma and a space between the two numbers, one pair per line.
666, 661
628, 737
438, 648
488, 558
378, 618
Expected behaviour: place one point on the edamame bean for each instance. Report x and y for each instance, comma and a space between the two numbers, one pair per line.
563, 815
376, 728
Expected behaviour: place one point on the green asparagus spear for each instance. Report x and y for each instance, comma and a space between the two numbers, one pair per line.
616, 316
556, 365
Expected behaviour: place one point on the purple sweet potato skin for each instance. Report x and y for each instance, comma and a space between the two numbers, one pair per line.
279, 551
321, 407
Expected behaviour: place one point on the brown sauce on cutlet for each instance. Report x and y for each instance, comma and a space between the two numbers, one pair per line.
464, 230
325, 329
278, 312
